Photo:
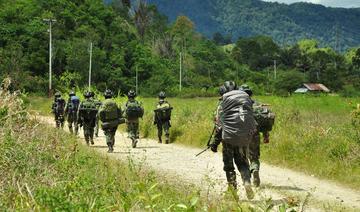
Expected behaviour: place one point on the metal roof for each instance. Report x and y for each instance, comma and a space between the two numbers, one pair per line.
316, 87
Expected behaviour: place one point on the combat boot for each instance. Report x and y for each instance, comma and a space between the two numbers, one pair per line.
167, 141
249, 192
160, 140
256, 178
134, 142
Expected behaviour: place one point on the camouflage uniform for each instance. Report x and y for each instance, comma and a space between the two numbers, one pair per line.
88, 123
110, 115
98, 105
72, 118
232, 153
132, 123
162, 124
58, 109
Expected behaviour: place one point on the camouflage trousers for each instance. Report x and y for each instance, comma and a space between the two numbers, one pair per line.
59, 120
110, 136
97, 126
235, 154
133, 130
165, 125
89, 134
254, 153
72, 120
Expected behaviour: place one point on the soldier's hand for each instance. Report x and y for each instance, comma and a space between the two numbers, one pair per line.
213, 147
266, 138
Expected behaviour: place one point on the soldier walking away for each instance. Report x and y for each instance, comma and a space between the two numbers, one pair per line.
265, 120
58, 109
236, 126
133, 111
87, 117
162, 117
98, 104
71, 110
110, 116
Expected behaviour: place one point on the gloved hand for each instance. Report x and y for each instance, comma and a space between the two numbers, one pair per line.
213, 147
266, 138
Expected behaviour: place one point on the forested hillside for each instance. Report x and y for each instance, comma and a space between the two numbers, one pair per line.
132, 37
284, 23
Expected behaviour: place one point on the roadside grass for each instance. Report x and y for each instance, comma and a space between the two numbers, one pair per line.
312, 134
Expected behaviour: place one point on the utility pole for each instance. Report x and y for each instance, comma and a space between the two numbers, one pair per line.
275, 69
137, 80
90, 64
180, 81
50, 21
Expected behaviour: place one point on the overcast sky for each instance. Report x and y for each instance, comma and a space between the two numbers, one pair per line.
329, 3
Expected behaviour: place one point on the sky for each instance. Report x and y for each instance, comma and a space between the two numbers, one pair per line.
329, 3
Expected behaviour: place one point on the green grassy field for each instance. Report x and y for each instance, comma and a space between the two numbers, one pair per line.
312, 134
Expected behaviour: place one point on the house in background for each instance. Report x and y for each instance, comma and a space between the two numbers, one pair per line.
312, 88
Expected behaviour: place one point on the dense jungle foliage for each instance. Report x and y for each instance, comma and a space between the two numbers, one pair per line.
130, 37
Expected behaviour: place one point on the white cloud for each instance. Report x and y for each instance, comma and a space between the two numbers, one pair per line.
329, 3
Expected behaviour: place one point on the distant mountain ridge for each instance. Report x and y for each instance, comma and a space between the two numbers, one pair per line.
335, 27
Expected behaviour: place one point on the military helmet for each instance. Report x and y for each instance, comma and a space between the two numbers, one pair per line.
72, 93
162, 95
230, 86
222, 90
57, 94
92, 94
131, 94
108, 93
87, 94
246, 89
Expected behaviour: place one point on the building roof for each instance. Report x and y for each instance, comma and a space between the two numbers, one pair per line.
316, 87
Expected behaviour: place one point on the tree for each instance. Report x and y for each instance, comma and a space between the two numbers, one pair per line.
142, 18
183, 29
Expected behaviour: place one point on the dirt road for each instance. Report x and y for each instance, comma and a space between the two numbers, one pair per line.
179, 163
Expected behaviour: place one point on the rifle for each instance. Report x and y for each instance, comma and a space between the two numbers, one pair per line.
208, 143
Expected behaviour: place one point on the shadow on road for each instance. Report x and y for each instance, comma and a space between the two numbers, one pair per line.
288, 188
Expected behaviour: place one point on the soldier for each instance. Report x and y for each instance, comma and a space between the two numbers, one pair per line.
71, 110
98, 104
87, 117
58, 109
110, 116
254, 147
133, 111
236, 125
162, 117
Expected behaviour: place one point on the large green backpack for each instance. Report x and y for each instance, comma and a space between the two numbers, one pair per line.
163, 112
88, 110
134, 110
109, 111
264, 117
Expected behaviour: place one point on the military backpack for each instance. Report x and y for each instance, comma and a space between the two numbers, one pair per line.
59, 106
264, 117
88, 110
73, 104
109, 111
134, 110
163, 112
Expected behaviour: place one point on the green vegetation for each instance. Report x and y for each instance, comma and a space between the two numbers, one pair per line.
143, 41
312, 134
287, 24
